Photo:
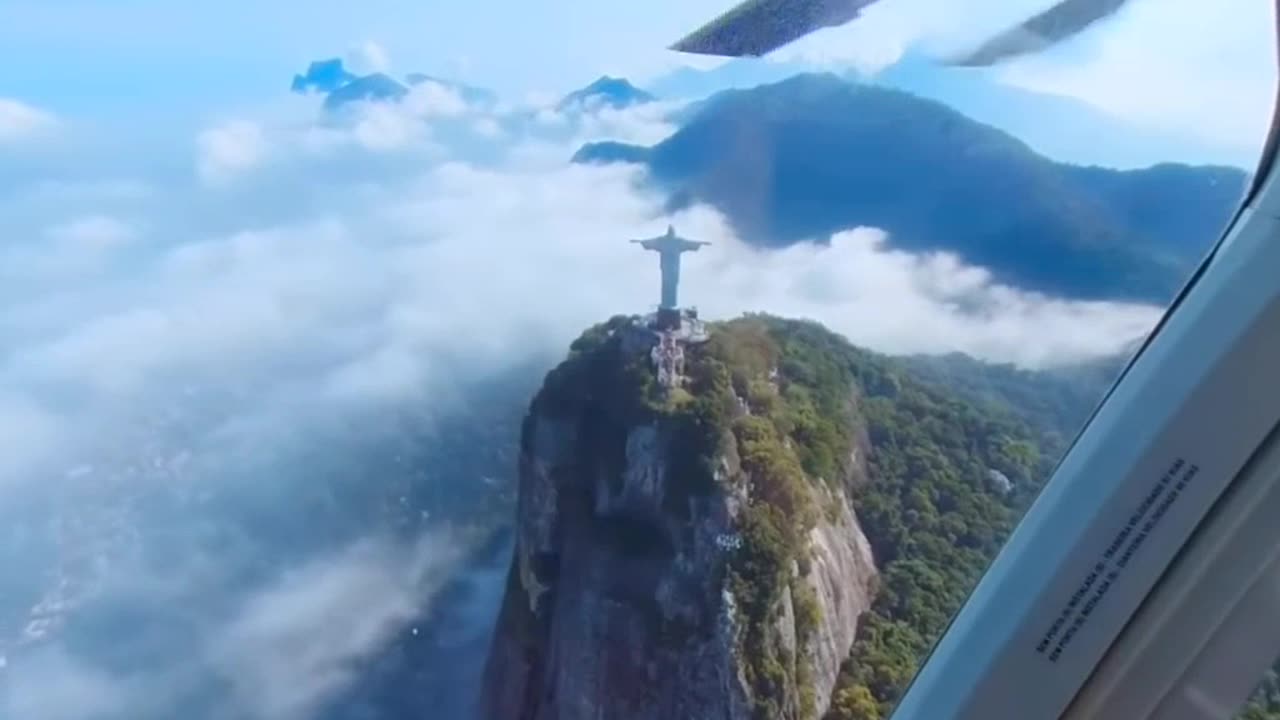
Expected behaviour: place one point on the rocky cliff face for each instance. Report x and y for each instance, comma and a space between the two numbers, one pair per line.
679, 553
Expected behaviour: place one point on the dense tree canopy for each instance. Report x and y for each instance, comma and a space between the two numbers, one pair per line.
929, 504
956, 450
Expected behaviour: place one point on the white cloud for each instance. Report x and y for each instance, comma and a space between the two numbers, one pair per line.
65, 250
489, 128
228, 150
351, 280
368, 57
299, 641
937, 302
645, 124
383, 126
432, 99
377, 291
19, 121
547, 117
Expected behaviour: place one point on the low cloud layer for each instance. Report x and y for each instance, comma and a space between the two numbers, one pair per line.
280, 653
297, 642
226, 150
197, 355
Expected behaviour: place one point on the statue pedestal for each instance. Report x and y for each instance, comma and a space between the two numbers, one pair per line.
663, 335
680, 324
666, 319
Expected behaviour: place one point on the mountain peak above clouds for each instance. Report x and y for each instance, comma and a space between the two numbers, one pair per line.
377, 87
342, 87
607, 91
816, 154
322, 76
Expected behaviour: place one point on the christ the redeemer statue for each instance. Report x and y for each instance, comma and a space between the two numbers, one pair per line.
669, 247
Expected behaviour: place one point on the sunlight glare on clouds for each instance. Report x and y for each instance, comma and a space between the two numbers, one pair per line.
887, 29
20, 121
1174, 65
1168, 65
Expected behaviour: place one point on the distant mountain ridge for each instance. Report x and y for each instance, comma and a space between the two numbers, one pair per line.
322, 76
815, 154
342, 87
607, 91
1062, 127
377, 87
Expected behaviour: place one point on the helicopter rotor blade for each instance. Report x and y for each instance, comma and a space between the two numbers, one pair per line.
757, 27
1060, 22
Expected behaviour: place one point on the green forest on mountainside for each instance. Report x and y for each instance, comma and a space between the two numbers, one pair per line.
795, 446
933, 523
930, 506
935, 423
799, 430
944, 432
1265, 703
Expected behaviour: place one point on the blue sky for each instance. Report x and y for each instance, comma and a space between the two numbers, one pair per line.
1164, 65
144, 50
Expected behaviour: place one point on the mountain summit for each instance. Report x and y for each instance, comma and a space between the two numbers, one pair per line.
681, 554
781, 533
322, 76
342, 87
608, 91
812, 155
